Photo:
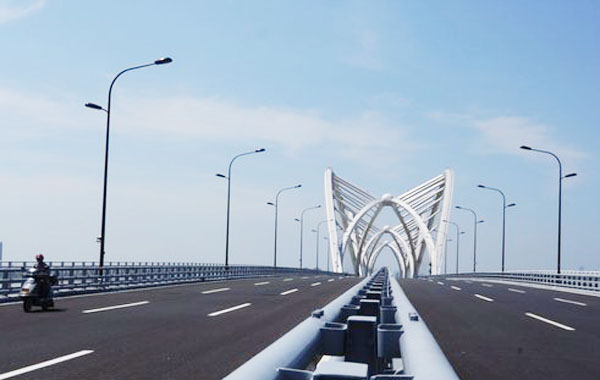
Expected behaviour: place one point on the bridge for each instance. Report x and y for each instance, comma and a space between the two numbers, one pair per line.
411, 321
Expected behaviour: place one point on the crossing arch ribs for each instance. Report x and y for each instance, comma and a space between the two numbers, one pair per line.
420, 232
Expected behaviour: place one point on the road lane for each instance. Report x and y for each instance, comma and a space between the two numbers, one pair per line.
498, 340
171, 337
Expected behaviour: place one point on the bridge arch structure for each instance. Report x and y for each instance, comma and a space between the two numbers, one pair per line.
352, 216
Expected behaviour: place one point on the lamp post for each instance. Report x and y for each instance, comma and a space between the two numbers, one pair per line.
446, 255
504, 207
560, 178
228, 178
326, 239
317, 250
102, 237
458, 233
475, 223
301, 220
276, 204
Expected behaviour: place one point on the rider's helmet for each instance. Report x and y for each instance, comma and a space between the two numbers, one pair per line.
39, 257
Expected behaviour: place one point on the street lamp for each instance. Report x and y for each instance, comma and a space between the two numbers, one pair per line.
475, 223
276, 204
458, 233
228, 178
327, 239
301, 220
102, 237
317, 231
560, 178
504, 207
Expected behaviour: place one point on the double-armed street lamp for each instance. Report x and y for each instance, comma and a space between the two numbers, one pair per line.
228, 178
560, 178
276, 205
458, 233
102, 237
301, 220
504, 207
475, 223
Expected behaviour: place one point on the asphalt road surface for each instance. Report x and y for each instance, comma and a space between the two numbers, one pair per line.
195, 331
498, 331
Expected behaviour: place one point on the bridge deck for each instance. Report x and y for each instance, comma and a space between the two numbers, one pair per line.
485, 332
170, 337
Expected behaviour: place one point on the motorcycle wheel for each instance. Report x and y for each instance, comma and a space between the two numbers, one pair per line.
27, 305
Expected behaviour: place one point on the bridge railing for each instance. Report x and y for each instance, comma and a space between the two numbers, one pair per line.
84, 277
586, 280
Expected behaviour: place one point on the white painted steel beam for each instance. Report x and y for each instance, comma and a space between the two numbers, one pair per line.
420, 211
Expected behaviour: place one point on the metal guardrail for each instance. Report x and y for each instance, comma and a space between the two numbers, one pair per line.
371, 332
83, 277
569, 279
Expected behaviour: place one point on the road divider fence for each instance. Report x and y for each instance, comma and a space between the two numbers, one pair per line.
85, 277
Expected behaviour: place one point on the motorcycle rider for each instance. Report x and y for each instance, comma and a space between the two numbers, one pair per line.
42, 274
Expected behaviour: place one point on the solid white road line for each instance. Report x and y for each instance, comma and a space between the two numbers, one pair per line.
331, 280
288, 292
484, 298
441, 283
230, 309
569, 301
559, 325
305, 277
516, 290
315, 284
261, 283
487, 285
47, 363
215, 290
288, 279
115, 307
456, 288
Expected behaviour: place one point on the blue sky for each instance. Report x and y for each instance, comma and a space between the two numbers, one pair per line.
387, 93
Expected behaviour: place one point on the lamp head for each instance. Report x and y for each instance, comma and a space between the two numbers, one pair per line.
163, 61
570, 175
259, 150
298, 186
482, 186
221, 175
525, 147
93, 106
511, 205
270, 203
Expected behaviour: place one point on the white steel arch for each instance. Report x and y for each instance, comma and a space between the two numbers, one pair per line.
419, 211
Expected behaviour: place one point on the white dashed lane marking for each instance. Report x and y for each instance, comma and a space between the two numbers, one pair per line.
456, 288
484, 298
288, 292
571, 302
550, 322
48, 363
229, 310
215, 290
115, 307
315, 284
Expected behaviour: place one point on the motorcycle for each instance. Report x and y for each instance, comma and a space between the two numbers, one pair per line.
37, 289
